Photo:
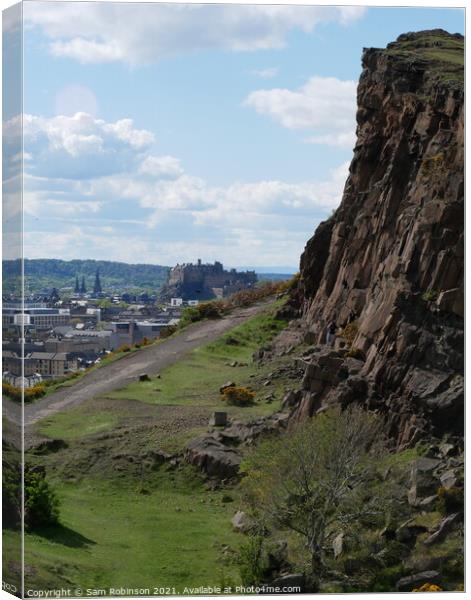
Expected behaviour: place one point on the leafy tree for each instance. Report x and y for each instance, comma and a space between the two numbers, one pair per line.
319, 475
41, 503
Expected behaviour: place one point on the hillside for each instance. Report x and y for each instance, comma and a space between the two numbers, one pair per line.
44, 273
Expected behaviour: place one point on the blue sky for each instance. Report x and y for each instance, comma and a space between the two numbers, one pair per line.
164, 134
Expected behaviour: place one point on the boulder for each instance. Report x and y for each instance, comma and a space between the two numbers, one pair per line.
447, 449
337, 545
448, 479
423, 482
288, 582
241, 522
213, 457
407, 584
227, 385
444, 528
452, 301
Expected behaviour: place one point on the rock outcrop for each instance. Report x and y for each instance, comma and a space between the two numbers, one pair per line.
391, 257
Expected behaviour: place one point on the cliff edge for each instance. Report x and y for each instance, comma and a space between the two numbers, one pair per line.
387, 267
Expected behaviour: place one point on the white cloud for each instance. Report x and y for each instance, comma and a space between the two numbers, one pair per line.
81, 146
268, 73
161, 166
162, 213
324, 105
254, 206
142, 33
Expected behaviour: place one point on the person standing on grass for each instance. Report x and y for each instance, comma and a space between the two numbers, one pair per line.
331, 331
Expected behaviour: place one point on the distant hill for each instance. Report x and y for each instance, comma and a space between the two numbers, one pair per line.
274, 276
44, 273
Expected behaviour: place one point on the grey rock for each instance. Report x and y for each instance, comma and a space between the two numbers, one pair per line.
227, 385
337, 545
444, 528
212, 457
241, 522
446, 449
428, 502
294, 580
407, 584
448, 479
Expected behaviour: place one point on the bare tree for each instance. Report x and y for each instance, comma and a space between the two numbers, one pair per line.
316, 476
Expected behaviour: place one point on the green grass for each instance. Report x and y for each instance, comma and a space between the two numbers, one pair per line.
76, 423
196, 379
113, 536
444, 54
192, 382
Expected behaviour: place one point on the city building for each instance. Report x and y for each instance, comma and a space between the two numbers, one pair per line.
127, 333
33, 316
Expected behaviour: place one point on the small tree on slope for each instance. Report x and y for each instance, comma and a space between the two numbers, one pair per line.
320, 475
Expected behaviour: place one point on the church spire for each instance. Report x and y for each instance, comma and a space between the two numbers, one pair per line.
97, 286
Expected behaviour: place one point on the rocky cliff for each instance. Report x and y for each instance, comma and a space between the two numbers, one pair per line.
390, 260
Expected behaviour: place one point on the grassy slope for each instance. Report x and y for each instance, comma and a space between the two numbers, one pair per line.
192, 382
445, 54
113, 535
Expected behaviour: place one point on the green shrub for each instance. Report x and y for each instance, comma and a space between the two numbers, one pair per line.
206, 310
37, 391
430, 295
124, 348
31, 393
252, 561
11, 391
428, 587
41, 503
167, 331
238, 396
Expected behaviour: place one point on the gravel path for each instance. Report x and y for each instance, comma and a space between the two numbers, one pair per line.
115, 375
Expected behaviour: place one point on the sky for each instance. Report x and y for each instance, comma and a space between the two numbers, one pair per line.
167, 133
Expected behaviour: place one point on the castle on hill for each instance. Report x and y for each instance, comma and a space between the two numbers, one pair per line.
206, 281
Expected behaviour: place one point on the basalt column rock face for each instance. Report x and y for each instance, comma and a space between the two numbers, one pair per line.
391, 257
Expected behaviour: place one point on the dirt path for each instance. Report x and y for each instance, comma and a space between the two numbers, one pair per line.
150, 360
